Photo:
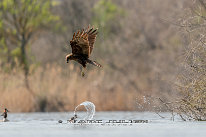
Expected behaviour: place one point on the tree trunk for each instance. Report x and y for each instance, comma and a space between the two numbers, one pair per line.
24, 61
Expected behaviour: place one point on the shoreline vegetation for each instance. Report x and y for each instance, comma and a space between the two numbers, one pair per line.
55, 89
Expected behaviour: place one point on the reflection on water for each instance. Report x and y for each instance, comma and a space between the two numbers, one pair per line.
46, 124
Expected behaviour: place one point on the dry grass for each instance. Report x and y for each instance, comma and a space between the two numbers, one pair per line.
55, 89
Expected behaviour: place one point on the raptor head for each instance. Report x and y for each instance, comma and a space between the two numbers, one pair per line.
68, 57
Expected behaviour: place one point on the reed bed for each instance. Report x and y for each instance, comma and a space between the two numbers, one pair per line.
52, 88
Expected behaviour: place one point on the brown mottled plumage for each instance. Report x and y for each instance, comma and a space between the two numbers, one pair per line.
82, 45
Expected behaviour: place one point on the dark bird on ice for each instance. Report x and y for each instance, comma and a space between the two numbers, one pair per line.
82, 45
5, 113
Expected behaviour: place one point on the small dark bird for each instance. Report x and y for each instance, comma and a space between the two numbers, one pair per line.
60, 121
73, 119
5, 113
82, 45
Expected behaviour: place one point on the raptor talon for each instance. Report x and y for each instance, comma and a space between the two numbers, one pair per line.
83, 74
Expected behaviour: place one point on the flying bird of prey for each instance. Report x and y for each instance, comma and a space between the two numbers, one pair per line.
82, 45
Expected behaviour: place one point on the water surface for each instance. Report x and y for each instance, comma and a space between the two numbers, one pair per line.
46, 125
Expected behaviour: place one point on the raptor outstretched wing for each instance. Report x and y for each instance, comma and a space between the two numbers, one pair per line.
83, 41
92, 34
80, 43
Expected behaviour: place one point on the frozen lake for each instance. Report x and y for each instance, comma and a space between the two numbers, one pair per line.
46, 125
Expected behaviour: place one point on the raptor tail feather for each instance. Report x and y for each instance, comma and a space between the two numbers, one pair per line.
95, 63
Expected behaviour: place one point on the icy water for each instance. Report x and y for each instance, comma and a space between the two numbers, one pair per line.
46, 125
